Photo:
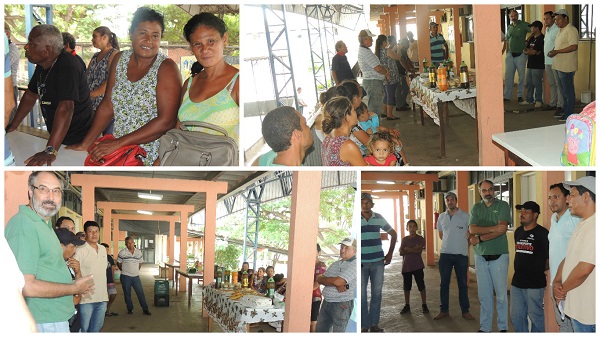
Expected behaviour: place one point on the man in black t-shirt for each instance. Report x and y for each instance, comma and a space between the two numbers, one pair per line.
60, 85
340, 68
531, 263
535, 65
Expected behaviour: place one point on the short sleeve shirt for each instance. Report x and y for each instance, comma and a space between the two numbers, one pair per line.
130, 262
560, 233
549, 39
367, 61
482, 215
436, 44
537, 44
581, 301
516, 36
412, 261
93, 263
455, 230
370, 237
566, 62
531, 253
339, 64
345, 270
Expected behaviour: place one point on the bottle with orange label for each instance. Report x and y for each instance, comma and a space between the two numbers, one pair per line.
464, 75
442, 78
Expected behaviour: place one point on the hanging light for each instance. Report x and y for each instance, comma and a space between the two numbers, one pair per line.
144, 212
150, 195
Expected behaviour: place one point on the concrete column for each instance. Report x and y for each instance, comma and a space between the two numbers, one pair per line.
488, 65
401, 15
401, 202
412, 204
386, 24
422, 13
183, 238
87, 202
429, 232
115, 243
15, 193
210, 236
106, 223
304, 228
457, 40
396, 220
171, 242
462, 190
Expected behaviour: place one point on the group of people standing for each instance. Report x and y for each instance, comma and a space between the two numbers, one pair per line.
551, 48
566, 252
134, 94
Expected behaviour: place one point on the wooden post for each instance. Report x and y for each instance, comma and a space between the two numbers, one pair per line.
429, 232
422, 13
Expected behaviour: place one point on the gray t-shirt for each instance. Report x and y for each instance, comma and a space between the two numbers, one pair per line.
455, 229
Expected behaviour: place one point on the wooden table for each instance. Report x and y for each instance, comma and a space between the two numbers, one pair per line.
435, 103
532, 147
190, 278
27, 141
173, 266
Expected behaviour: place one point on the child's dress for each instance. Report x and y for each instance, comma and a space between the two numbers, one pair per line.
371, 160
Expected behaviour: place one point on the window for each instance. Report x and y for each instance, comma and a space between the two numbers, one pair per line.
587, 28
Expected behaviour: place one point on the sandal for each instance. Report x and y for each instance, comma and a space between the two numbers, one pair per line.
393, 118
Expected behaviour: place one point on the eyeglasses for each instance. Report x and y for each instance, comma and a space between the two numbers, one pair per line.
45, 190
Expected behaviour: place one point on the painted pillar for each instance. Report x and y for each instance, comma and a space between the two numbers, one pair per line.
304, 228
411, 204
116, 238
397, 221
488, 66
171, 242
429, 232
392, 19
210, 236
15, 193
401, 232
422, 13
462, 190
87, 202
106, 220
401, 15
457, 40
183, 238
386, 24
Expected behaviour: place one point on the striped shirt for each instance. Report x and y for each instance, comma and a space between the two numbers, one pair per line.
131, 262
367, 61
371, 250
436, 44
345, 269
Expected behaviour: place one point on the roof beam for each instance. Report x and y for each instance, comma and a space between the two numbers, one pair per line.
401, 187
397, 176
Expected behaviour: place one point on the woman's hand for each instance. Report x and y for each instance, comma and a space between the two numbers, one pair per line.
103, 149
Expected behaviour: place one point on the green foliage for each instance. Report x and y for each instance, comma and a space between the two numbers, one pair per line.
228, 256
233, 28
175, 20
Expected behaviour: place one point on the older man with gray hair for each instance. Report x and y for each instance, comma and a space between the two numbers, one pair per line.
340, 68
373, 72
574, 286
453, 229
60, 84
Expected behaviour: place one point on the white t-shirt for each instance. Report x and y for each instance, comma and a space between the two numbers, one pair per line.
131, 262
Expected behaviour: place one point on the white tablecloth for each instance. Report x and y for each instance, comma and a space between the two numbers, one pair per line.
232, 316
24, 145
428, 98
538, 147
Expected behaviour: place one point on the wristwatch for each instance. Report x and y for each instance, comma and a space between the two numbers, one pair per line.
51, 150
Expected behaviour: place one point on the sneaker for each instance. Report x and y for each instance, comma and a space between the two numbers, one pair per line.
147, 313
468, 316
520, 99
538, 104
425, 309
506, 100
405, 310
364, 330
558, 112
549, 108
563, 118
375, 328
130, 312
441, 315
524, 102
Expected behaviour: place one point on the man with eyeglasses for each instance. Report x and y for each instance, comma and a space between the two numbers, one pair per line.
60, 84
48, 289
488, 225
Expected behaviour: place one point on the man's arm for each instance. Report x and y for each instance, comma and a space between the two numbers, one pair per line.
498, 229
38, 288
9, 102
557, 291
334, 76
25, 105
390, 254
441, 235
504, 46
577, 276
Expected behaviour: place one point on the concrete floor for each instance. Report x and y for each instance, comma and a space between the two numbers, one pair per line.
416, 321
422, 143
177, 317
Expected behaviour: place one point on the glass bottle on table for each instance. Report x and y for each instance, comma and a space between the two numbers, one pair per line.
432, 77
442, 78
270, 287
245, 279
464, 76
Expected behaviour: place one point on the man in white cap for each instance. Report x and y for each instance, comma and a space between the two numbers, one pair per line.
453, 229
574, 286
338, 294
373, 72
437, 45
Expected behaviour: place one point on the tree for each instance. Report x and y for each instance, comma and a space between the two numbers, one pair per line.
228, 256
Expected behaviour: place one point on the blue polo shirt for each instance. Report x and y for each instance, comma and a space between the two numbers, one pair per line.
560, 233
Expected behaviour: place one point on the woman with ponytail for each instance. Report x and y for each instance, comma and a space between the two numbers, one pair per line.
97, 71
337, 148
211, 94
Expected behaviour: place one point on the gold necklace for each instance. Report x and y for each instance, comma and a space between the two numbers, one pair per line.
42, 86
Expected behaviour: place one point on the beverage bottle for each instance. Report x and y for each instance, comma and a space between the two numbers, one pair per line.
245, 279
270, 287
449, 65
432, 78
464, 75
442, 78
424, 65
227, 276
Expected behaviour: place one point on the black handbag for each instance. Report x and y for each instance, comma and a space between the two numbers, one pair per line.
184, 147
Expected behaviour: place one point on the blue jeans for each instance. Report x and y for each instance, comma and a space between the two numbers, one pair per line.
460, 263
527, 303
491, 276
555, 95
334, 315
91, 316
369, 315
375, 90
580, 327
402, 91
533, 82
567, 89
514, 63
127, 282
53, 327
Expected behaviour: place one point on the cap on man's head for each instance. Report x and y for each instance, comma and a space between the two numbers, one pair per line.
80, 235
561, 11
65, 237
588, 182
530, 205
365, 33
366, 195
349, 242
432, 24
537, 24
450, 194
